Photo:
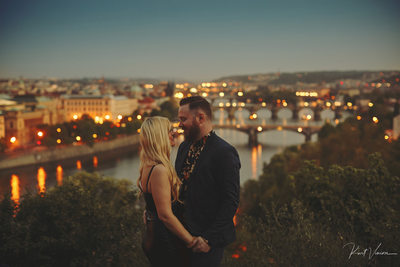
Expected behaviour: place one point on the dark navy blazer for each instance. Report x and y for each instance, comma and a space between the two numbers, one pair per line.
213, 189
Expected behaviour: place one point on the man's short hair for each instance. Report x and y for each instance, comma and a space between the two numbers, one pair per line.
197, 102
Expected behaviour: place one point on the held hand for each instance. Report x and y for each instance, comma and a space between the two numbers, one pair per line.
194, 242
201, 246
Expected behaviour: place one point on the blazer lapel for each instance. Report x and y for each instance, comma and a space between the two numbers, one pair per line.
180, 158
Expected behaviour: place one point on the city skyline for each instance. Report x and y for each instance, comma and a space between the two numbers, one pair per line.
195, 40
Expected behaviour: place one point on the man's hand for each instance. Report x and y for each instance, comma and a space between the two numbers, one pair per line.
201, 245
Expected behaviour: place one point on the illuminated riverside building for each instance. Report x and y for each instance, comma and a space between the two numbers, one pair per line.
2, 126
22, 116
108, 107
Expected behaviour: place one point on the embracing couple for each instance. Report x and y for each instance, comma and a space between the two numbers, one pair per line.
189, 208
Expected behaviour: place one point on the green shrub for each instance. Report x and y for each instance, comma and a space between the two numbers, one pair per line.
88, 221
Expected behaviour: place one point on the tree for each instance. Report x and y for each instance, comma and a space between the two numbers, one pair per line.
306, 217
88, 221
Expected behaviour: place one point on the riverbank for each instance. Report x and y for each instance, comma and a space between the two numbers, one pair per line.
47, 155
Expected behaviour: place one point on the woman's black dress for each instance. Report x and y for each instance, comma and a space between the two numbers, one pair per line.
161, 246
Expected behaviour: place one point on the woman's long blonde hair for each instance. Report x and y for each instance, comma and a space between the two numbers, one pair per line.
156, 147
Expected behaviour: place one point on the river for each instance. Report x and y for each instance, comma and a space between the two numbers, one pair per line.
125, 166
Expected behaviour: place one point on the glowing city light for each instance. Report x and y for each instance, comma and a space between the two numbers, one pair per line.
259, 128
306, 104
375, 119
75, 117
240, 93
15, 189
221, 105
78, 138
193, 90
309, 117
263, 104
59, 175
359, 117
221, 94
119, 117
78, 164
386, 137
13, 140
253, 116
94, 136
40, 133
58, 141
107, 117
370, 104
95, 161
349, 104
41, 177
58, 130
299, 129
179, 95
328, 104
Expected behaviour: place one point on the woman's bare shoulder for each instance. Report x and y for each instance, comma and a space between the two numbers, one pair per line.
160, 172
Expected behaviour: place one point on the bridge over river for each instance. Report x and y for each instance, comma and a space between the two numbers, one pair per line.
253, 130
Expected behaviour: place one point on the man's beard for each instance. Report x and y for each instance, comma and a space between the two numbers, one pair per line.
192, 133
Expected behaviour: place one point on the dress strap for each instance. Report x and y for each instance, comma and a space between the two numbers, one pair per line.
148, 178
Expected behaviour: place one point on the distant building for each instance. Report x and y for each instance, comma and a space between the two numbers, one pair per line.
21, 116
98, 106
52, 105
396, 127
135, 91
146, 105
2, 126
21, 125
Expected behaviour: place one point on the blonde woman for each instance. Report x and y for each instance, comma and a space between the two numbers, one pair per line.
165, 240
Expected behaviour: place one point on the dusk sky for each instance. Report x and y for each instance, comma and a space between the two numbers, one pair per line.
197, 40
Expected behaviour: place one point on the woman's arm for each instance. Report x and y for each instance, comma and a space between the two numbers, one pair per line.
160, 189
